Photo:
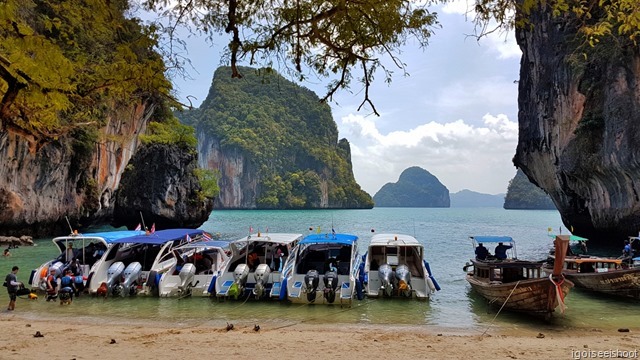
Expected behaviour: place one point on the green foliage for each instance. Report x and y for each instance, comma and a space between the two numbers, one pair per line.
596, 21
63, 63
208, 182
522, 194
335, 39
286, 132
171, 132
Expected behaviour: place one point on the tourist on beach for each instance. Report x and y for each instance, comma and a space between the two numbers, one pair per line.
501, 251
12, 284
481, 252
253, 261
6, 252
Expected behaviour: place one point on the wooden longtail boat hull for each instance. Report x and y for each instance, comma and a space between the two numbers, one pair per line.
535, 296
624, 283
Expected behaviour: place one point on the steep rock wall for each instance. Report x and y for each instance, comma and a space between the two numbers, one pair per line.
160, 183
238, 181
39, 189
579, 128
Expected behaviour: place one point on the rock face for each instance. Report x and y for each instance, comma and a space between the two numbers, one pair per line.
273, 144
67, 178
416, 187
579, 128
522, 194
160, 183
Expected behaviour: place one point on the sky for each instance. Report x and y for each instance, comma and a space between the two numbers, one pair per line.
454, 116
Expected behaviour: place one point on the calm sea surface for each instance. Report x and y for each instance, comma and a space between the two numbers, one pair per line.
444, 232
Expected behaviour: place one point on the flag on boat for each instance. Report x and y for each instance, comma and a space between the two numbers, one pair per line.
318, 230
153, 228
250, 229
333, 231
188, 238
139, 227
206, 236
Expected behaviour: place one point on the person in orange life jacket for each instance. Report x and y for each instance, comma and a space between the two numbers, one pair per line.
52, 285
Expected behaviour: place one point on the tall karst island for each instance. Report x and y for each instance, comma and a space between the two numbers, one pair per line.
273, 144
416, 187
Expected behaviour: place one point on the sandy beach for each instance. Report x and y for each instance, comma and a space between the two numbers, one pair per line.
88, 339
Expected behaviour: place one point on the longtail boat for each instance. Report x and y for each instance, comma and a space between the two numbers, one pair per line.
517, 285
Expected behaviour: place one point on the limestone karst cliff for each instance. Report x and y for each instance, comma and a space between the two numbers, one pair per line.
273, 144
579, 122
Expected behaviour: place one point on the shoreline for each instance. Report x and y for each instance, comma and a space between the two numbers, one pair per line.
93, 337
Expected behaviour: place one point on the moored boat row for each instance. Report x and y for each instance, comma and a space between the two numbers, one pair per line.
316, 269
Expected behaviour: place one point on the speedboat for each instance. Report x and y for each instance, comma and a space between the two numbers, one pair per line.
79, 250
323, 269
255, 267
394, 266
195, 270
130, 266
519, 285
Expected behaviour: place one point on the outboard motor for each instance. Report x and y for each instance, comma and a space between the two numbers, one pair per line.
330, 285
57, 273
262, 278
187, 274
385, 273
311, 281
131, 275
114, 274
240, 275
403, 275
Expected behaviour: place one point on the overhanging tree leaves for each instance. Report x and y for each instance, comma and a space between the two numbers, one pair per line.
322, 38
62, 63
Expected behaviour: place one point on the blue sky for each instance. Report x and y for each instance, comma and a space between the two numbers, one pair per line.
455, 115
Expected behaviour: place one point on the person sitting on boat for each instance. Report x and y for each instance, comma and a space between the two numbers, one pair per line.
253, 261
627, 252
501, 251
482, 252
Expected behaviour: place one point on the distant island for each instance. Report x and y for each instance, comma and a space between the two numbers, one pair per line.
416, 187
522, 194
468, 198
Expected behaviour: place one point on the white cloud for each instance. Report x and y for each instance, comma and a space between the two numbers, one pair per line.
460, 155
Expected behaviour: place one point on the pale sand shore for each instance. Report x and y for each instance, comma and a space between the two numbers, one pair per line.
65, 338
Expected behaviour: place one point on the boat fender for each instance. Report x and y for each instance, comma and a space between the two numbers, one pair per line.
283, 289
433, 280
212, 286
359, 293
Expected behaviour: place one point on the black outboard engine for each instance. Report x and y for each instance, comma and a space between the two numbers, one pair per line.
311, 281
330, 286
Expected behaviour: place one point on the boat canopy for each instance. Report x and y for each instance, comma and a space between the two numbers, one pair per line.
205, 244
492, 239
344, 239
571, 237
393, 240
107, 236
161, 236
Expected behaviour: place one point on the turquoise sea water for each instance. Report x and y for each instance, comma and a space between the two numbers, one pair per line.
444, 232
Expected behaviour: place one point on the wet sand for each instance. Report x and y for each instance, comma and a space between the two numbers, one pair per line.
88, 338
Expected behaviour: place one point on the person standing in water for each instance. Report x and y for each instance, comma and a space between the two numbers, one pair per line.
12, 284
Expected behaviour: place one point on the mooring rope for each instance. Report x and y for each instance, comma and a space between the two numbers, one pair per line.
503, 304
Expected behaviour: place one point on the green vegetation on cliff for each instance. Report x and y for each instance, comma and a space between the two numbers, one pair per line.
522, 194
416, 187
288, 135
65, 64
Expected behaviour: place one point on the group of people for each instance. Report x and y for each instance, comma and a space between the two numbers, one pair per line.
482, 253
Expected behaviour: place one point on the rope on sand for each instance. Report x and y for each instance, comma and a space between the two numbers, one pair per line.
503, 304
313, 318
